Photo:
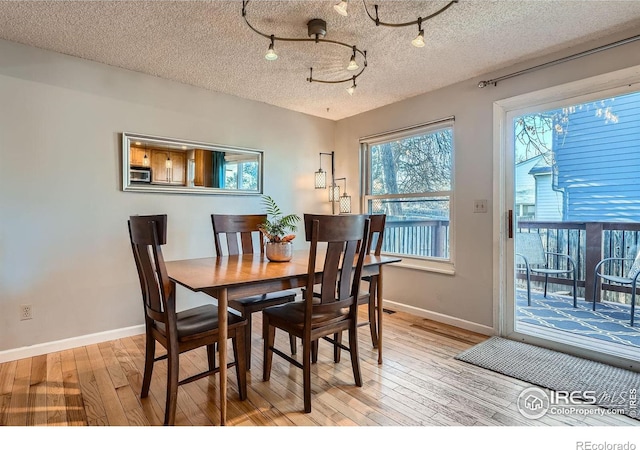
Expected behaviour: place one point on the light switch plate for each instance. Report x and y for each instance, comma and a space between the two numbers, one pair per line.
479, 206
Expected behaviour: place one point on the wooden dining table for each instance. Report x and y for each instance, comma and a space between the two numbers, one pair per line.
232, 277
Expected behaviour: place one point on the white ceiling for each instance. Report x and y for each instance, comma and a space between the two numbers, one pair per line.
207, 43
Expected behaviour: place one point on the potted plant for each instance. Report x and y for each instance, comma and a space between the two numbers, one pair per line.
275, 229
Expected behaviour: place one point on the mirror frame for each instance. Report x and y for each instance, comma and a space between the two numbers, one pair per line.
127, 186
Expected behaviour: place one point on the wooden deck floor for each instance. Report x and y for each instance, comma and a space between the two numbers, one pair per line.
419, 384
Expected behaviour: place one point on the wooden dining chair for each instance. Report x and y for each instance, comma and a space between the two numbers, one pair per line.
336, 309
177, 332
241, 235
369, 296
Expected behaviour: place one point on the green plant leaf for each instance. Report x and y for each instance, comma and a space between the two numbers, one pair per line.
276, 225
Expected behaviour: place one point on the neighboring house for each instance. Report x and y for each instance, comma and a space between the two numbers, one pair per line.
548, 200
597, 160
525, 189
535, 197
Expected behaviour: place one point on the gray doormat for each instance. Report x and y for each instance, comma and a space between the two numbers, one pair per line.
607, 386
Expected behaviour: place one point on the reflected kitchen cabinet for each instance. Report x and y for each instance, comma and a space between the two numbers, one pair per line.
139, 157
168, 167
203, 175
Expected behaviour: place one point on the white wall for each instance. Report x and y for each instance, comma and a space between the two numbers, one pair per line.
467, 298
63, 235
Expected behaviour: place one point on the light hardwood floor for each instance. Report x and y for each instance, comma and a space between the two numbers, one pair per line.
419, 384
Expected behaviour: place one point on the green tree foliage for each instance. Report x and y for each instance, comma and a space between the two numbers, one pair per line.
413, 165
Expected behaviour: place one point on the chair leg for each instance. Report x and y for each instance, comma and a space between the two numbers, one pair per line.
314, 352
292, 343
633, 303
211, 356
247, 339
595, 286
575, 289
269, 334
241, 366
150, 352
172, 386
546, 279
336, 350
372, 312
528, 285
306, 372
353, 350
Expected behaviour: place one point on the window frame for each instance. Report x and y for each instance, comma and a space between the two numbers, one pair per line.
431, 264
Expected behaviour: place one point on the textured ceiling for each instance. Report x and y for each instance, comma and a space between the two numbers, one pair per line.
207, 43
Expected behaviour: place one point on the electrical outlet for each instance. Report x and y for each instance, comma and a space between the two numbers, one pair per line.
479, 206
26, 312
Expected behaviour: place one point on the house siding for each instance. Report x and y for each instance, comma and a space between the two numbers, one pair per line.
597, 159
548, 201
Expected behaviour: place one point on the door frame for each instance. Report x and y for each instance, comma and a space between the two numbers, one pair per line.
612, 83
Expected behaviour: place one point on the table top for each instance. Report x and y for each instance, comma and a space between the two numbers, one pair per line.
228, 271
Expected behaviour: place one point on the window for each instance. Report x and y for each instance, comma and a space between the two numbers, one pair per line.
408, 175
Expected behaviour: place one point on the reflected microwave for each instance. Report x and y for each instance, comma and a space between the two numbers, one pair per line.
140, 174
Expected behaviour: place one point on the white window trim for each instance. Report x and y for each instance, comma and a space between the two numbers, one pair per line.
446, 267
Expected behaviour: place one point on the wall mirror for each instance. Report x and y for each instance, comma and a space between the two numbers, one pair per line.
159, 164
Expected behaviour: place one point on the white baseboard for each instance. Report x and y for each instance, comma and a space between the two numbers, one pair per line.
96, 338
65, 344
443, 318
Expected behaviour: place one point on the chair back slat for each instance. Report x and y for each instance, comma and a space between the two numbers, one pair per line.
635, 267
146, 234
376, 233
238, 232
343, 235
529, 245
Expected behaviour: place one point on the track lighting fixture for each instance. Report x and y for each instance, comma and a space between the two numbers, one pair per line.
341, 8
271, 53
418, 41
351, 89
316, 30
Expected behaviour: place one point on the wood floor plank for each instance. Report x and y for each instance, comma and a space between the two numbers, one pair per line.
17, 412
37, 402
7, 376
110, 401
73, 392
113, 366
92, 401
56, 406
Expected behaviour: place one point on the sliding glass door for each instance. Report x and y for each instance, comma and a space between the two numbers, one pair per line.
572, 200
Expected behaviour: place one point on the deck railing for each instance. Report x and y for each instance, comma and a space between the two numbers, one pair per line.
427, 238
587, 243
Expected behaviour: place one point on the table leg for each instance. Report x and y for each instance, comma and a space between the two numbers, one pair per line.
222, 352
379, 306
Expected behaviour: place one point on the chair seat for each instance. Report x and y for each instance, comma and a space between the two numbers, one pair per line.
275, 297
550, 271
613, 278
200, 320
292, 314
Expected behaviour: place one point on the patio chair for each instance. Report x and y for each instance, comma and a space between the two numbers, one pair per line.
536, 260
630, 279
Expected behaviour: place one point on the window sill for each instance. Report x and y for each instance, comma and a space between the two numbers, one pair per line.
426, 265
